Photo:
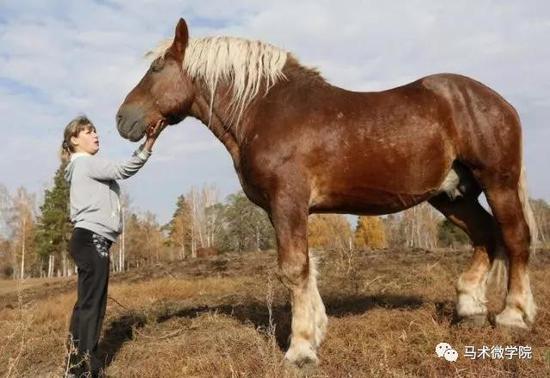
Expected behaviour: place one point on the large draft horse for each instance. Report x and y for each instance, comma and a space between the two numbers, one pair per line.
300, 146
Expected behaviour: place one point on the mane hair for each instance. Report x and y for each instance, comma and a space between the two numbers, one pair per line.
245, 64
297, 72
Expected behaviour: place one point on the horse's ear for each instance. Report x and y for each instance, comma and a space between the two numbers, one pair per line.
181, 39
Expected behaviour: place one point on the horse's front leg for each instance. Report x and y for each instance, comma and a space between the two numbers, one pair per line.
298, 273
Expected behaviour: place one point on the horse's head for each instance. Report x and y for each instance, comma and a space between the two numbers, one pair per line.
163, 95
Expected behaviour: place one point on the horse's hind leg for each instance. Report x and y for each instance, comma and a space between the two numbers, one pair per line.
298, 273
470, 216
508, 210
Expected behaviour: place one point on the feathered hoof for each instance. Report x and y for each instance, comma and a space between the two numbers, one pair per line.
301, 355
511, 318
470, 306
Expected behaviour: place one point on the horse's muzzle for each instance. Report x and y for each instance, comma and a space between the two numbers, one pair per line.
130, 123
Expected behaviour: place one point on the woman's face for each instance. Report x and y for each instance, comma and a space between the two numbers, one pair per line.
86, 141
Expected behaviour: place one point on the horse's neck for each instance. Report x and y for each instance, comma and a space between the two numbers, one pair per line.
230, 127
215, 121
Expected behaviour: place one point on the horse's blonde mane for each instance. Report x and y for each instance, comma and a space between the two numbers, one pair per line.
245, 64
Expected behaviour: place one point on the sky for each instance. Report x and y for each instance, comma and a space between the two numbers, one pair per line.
62, 58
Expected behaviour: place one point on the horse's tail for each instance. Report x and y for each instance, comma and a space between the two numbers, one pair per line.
499, 269
528, 211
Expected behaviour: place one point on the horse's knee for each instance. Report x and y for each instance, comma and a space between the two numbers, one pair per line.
293, 274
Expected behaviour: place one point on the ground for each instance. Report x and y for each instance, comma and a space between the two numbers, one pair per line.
228, 316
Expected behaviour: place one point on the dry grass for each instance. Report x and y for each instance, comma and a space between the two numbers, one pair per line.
228, 316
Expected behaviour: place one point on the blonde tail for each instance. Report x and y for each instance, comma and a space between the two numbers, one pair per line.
528, 211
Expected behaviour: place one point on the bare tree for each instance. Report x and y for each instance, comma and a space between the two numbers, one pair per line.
394, 230
202, 221
21, 220
419, 225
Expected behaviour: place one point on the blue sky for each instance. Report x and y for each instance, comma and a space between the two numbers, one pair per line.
62, 58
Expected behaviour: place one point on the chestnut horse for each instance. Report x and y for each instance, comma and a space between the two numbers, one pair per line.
300, 146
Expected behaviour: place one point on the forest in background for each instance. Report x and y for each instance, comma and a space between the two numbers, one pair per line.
34, 241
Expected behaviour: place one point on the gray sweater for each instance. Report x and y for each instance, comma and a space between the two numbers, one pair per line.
94, 193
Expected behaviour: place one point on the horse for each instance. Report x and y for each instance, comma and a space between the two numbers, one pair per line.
300, 145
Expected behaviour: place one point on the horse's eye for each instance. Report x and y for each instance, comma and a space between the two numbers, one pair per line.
157, 65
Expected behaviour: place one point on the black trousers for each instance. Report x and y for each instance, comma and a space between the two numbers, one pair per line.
90, 252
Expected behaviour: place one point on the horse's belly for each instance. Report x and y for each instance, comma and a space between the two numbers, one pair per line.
364, 201
352, 196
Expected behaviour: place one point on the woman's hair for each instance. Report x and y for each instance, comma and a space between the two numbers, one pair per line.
72, 129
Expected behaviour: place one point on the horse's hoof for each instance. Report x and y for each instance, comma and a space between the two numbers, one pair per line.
474, 321
511, 318
301, 355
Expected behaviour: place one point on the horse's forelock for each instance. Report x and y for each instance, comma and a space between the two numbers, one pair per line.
159, 50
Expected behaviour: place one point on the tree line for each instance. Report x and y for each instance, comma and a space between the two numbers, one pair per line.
34, 240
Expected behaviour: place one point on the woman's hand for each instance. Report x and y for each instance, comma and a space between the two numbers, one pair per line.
152, 134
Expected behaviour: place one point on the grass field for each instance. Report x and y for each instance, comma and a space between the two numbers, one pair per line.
228, 316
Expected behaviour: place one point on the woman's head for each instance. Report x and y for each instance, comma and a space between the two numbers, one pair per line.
79, 136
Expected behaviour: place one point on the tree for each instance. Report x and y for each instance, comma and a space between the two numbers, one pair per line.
5, 201
450, 235
245, 226
6, 266
329, 232
54, 226
152, 235
22, 223
419, 226
370, 233
6, 258
214, 222
134, 242
541, 210
144, 240
179, 228
199, 201
393, 226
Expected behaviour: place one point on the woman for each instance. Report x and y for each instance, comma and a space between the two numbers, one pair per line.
95, 213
